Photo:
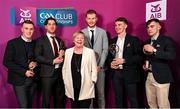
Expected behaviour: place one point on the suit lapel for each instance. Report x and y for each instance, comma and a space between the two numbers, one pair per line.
49, 47
148, 41
126, 43
88, 37
96, 35
61, 46
157, 41
23, 47
84, 58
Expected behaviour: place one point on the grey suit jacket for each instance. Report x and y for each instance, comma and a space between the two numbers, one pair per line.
100, 44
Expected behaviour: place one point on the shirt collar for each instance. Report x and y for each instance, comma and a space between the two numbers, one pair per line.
154, 37
25, 39
49, 35
92, 28
122, 37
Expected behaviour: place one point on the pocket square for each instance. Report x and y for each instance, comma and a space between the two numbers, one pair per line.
128, 45
157, 45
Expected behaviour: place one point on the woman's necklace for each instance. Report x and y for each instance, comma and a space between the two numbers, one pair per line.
78, 52
77, 62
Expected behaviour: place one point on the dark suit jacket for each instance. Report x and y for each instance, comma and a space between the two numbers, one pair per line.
132, 55
16, 60
44, 55
165, 52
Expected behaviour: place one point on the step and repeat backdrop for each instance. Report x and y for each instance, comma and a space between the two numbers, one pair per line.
70, 15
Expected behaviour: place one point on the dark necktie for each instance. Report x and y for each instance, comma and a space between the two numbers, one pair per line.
152, 41
92, 38
55, 47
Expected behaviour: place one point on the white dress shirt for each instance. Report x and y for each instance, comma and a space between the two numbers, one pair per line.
120, 43
51, 41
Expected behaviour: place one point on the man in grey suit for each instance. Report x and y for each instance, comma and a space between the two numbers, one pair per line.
96, 38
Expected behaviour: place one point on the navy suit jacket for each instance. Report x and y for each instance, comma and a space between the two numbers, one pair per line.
132, 54
165, 52
45, 56
16, 60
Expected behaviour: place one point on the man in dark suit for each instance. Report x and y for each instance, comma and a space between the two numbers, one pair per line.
49, 54
159, 50
124, 58
19, 59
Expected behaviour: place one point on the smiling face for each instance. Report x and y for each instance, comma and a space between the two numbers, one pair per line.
78, 40
51, 26
120, 27
27, 30
91, 20
153, 29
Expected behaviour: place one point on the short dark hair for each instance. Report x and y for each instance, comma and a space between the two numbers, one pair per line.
91, 11
122, 19
28, 22
50, 18
153, 20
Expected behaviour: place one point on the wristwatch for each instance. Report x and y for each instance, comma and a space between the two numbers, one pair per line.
154, 51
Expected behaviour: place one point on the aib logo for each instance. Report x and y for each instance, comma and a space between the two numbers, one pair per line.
155, 9
25, 15
20, 14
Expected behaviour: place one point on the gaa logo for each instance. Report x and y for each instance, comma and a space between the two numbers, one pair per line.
64, 17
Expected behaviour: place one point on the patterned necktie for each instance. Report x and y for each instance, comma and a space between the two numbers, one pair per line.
55, 46
92, 38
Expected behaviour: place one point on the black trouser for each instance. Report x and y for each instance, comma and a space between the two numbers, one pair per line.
131, 89
53, 86
81, 103
25, 93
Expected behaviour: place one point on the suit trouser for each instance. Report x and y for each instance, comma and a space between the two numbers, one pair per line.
157, 94
53, 86
118, 83
81, 103
100, 90
25, 93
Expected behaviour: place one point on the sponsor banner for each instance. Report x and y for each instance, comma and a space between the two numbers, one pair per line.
156, 10
20, 14
64, 16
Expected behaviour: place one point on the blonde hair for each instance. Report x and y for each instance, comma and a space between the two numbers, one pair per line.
77, 33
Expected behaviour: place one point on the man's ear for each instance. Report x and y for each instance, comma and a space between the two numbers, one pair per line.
21, 29
159, 27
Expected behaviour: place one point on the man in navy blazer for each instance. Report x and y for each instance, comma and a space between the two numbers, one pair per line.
20, 61
48, 53
159, 50
124, 59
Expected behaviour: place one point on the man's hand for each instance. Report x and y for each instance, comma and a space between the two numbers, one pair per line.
148, 48
58, 60
99, 68
114, 66
61, 53
145, 68
32, 65
118, 61
29, 73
